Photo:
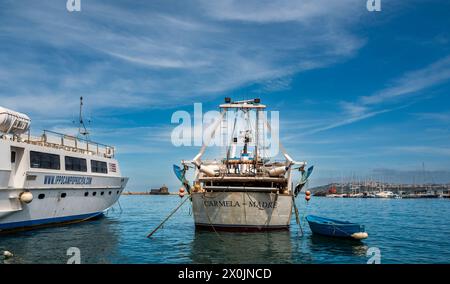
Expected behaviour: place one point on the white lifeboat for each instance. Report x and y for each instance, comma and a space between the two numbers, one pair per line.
13, 122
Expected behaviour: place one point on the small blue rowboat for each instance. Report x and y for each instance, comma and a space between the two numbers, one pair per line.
336, 228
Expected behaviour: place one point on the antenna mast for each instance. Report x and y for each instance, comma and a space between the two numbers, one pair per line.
82, 130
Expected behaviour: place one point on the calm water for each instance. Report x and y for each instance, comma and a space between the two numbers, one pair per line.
405, 231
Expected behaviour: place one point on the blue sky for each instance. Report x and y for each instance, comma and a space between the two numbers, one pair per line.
362, 94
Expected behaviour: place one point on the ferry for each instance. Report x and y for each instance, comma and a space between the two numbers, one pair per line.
53, 178
246, 190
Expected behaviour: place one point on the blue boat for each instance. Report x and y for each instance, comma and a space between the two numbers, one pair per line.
336, 228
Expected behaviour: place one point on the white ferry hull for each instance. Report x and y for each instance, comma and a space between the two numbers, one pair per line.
53, 178
54, 209
241, 211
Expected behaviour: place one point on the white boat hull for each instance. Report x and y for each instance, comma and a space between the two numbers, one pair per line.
54, 208
241, 210
53, 178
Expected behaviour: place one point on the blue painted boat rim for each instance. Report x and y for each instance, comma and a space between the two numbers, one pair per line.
328, 221
335, 228
47, 221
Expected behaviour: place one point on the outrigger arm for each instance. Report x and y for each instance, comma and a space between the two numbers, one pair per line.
289, 161
197, 159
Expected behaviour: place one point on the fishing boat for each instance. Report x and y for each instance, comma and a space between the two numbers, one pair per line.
336, 228
53, 178
245, 190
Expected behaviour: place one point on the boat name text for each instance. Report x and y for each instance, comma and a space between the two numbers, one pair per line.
229, 203
67, 180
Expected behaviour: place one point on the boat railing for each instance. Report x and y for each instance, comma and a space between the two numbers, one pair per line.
71, 143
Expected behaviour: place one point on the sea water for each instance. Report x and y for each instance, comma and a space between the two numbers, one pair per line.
400, 231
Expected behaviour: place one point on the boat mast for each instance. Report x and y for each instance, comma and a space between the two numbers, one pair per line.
256, 138
82, 130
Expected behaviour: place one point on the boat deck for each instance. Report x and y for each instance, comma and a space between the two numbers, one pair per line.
65, 142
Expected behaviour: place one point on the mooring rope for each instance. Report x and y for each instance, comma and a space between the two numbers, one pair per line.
297, 219
271, 213
335, 227
120, 206
167, 218
210, 222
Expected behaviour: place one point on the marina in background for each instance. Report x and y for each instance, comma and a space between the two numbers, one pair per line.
374, 189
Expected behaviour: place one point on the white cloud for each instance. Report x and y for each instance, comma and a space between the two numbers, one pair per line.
435, 116
267, 11
347, 120
412, 82
439, 151
354, 109
125, 56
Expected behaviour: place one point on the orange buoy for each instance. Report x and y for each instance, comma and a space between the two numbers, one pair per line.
181, 189
307, 197
308, 193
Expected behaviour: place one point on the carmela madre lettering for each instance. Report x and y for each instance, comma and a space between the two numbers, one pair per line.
230, 203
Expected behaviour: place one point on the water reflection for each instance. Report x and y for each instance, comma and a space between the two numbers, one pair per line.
121, 238
255, 247
96, 240
336, 246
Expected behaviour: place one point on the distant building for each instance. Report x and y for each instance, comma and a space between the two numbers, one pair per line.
161, 191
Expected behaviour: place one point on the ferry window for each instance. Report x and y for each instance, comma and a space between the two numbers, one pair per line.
99, 167
109, 193
86, 193
94, 193
41, 196
44, 160
102, 193
75, 164
63, 195
13, 157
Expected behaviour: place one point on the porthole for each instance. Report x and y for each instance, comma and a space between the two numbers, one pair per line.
63, 195
94, 193
117, 192
109, 193
86, 193
41, 196
102, 193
